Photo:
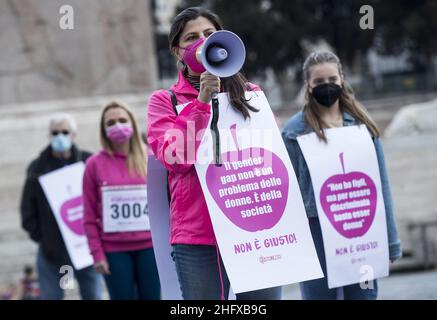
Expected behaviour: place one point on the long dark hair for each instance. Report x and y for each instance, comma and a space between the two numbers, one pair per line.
235, 85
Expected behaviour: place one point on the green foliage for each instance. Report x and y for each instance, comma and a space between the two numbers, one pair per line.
273, 30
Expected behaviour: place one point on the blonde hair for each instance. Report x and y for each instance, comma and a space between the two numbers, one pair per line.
137, 158
347, 99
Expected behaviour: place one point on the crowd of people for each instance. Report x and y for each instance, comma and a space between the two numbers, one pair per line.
124, 258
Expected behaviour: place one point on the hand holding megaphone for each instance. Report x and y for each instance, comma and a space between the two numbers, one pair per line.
221, 55
209, 87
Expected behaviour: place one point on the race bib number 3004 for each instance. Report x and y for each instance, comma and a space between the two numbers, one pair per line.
125, 208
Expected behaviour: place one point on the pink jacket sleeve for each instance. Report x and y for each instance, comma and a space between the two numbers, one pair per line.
90, 206
164, 125
254, 87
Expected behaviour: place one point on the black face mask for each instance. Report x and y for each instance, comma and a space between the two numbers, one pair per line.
327, 94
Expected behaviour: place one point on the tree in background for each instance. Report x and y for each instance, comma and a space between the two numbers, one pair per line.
409, 25
275, 31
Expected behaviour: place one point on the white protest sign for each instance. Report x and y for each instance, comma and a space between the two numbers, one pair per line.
254, 201
63, 190
159, 213
347, 188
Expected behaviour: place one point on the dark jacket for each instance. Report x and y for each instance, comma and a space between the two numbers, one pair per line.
37, 217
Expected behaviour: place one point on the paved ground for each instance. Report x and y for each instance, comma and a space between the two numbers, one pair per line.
401, 286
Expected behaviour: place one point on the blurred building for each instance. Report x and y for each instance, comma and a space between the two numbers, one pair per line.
399, 73
111, 49
164, 12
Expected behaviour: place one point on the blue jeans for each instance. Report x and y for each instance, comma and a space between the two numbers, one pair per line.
49, 278
201, 278
134, 275
318, 289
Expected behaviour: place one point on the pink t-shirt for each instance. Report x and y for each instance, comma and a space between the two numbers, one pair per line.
101, 170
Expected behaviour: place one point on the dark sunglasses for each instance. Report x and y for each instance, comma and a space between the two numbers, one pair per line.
64, 132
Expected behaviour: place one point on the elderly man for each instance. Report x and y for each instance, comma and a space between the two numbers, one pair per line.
38, 220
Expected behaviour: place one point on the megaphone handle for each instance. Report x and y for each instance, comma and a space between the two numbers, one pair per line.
215, 131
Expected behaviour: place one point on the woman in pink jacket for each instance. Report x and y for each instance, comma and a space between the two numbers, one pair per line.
115, 209
198, 263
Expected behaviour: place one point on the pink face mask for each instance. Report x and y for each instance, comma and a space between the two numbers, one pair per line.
190, 56
119, 133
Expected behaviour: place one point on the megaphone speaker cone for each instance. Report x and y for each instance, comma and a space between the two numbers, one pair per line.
217, 54
223, 54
